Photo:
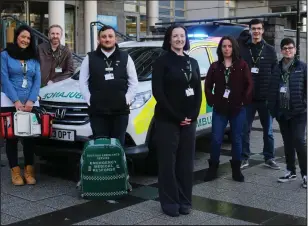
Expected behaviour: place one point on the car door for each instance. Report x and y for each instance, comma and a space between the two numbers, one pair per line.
201, 55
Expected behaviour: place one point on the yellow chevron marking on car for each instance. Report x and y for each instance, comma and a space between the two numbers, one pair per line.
143, 119
203, 103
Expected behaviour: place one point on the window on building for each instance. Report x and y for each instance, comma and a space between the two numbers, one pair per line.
164, 19
179, 4
179, 13
130, 7
163, 11
143, 25
166, 3
201, 56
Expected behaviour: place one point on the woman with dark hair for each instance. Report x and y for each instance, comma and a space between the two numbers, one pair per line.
176, 86
231, 80
20, 85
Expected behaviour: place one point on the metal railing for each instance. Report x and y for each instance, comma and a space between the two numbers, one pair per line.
98, 23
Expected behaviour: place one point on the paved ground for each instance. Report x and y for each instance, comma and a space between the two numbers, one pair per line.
260, 200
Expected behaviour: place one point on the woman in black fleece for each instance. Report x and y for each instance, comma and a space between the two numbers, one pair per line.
176, 86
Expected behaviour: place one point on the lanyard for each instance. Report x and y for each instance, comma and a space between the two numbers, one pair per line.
24, 69
58, 56
227, 74
188, 77
108, 64
285, 75
258, 58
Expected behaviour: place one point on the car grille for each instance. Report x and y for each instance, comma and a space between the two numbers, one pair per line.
76, 113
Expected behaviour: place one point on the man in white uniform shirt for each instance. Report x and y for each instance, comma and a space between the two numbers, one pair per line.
108, 82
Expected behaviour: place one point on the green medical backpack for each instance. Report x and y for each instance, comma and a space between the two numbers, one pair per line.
103, 170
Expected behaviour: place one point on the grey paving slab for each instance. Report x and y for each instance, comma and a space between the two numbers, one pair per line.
8, 199
206, 191
46, 187
150, 207
194, 218
265, 171
226, 221
123, 217
90, 222
145, 192
25, 210
299, 210
157, 221
61, 202
143, 180
7, 219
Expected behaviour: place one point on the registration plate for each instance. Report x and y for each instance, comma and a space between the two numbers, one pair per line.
61, 134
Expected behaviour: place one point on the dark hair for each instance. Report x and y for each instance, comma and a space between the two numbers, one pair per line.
256, 21
286, 41
167, 45
104, 28
31, 46
235, 49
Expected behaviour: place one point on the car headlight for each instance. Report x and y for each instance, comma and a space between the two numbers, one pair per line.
140, 99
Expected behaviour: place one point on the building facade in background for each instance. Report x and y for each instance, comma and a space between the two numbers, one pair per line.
131, 18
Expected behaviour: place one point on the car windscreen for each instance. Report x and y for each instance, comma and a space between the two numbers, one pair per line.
143, 57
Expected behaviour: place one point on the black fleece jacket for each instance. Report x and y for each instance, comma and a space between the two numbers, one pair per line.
169, 85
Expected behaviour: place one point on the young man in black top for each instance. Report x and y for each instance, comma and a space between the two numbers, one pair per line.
108, 82
287, 102
261, 59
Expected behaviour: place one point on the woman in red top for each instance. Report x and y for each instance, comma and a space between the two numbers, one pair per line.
231, 80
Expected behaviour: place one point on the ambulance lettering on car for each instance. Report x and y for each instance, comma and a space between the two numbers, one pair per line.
72, 124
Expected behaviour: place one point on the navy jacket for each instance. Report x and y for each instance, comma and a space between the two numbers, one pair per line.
298, 90
266, 64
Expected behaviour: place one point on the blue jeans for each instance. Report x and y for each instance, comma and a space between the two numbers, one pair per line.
219, 123
266, 122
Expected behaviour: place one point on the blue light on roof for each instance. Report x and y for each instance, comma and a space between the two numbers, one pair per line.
197, 35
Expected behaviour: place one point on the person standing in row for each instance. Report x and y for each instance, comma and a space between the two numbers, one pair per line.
20, 83
56, 60
176, 86
231, 80
287, 102
261, 59
108, 82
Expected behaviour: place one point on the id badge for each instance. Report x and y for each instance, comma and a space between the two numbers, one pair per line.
109, 76
255, 70
226, 94
283, 89
58, 70
24, 83
190, 92
109, 69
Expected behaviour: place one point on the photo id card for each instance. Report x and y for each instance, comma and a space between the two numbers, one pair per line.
109, 69
255, 70
190, 92
58, 70
283, 89
24, 83
109, 76
226, 94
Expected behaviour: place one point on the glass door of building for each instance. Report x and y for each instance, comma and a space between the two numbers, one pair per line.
132, 26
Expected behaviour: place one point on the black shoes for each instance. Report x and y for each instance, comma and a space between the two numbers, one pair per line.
211, 173
236, 170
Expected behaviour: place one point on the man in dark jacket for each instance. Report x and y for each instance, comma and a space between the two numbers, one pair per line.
261, 59
287, 102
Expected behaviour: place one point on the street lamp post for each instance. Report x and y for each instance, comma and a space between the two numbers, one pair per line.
298, 29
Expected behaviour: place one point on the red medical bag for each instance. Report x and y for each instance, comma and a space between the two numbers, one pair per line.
46, 124
6, 125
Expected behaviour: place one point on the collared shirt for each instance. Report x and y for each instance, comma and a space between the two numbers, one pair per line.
131, 72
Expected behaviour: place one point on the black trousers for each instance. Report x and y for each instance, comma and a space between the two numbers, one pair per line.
113, 126
12, 148
175, 151
293, 133
12, 152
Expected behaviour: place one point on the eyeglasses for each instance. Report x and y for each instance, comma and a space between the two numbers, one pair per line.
288, 48
256, 28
